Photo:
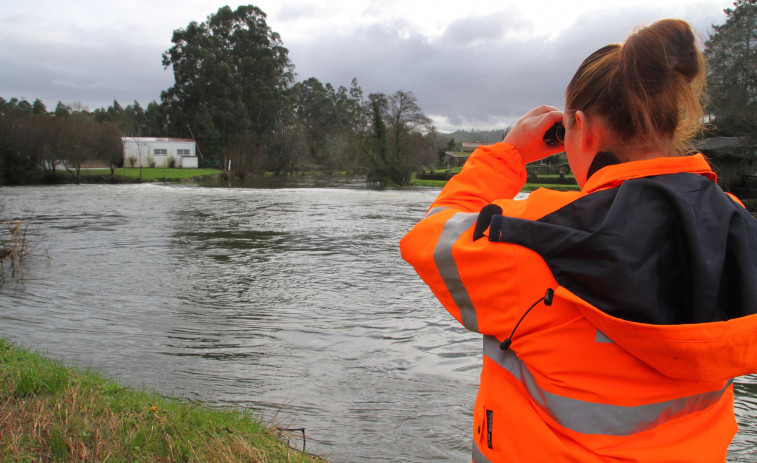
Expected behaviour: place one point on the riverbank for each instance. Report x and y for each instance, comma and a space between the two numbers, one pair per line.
553, 182
135, 174
49, 412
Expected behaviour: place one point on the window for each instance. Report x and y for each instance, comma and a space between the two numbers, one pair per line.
181, 152
160, 151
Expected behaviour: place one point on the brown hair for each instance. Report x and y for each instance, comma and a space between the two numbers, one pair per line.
650, 87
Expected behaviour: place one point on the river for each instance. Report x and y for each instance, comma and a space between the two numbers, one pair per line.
292, 301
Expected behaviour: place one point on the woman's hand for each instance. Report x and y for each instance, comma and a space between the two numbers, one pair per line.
527, 135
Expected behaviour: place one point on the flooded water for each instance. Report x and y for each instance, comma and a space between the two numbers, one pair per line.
290, 301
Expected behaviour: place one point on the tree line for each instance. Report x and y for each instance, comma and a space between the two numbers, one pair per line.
35, 143
234, 93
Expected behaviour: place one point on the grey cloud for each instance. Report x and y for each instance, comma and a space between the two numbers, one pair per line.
483, 72
293, 11
468, 31
93, 73
475, 76
481, 85
493, 27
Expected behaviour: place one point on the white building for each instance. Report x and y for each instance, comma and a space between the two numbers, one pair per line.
159, 152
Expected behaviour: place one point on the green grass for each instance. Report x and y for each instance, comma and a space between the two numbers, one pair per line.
557, 187
553, 176
528, 186
150, 174
54, 414
432, 183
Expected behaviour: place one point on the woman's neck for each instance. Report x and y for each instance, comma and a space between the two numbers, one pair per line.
638, 151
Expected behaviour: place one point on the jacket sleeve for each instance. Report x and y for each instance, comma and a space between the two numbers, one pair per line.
476, 281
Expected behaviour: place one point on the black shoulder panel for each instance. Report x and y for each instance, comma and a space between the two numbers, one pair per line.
670, 249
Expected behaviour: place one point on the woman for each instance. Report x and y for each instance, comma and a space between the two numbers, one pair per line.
614, 318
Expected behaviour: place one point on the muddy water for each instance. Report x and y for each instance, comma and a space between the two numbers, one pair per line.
290, 301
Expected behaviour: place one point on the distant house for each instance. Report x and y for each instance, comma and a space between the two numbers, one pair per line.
469, 147
159, 152
455, 159
731, 157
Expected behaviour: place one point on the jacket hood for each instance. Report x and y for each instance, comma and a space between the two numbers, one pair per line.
664, 265
698, 352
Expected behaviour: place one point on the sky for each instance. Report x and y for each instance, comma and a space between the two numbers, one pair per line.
471, 64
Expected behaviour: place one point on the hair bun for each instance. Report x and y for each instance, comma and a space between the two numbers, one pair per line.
648, 89
653, 55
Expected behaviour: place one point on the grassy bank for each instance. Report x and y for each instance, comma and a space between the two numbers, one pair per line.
52, 413
149, 174
527, 187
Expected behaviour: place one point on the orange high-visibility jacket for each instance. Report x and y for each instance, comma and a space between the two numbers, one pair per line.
654, 273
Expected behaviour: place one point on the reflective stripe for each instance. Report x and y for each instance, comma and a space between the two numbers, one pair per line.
453, 228
597, 418
434, 210
477, 456
602, 338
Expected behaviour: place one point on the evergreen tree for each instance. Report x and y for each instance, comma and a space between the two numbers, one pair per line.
230, 73
731, 53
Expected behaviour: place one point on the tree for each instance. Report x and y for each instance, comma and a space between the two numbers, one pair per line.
38, 107
230, 73
33, 142
84, 139
374, 144
108, 146
131, 121
328, 118
74, 143
407, 123
16, 124
62, 110
731, 53
42, 136
289, 143
156, 120
315, 105
394, 142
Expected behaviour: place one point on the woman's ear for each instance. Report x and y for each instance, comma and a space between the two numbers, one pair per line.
583, 142
585, 130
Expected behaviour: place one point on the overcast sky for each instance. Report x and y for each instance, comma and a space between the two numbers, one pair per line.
472, 64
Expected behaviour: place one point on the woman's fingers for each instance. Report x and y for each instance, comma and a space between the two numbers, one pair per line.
527, 135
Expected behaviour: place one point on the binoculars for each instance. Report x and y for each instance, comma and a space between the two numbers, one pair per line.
555, 135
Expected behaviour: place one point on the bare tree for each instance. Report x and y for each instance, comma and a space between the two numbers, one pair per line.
405, 120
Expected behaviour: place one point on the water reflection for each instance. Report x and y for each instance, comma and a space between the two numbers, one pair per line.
744, 447
291, 301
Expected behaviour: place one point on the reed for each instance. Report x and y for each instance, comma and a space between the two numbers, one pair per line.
14, 247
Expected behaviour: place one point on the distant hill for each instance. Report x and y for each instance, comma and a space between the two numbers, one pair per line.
483, 137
